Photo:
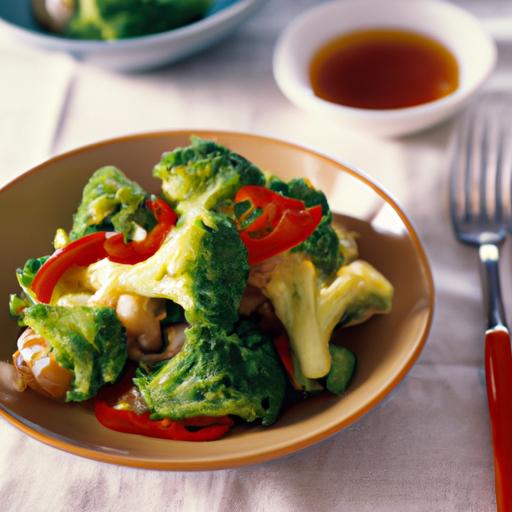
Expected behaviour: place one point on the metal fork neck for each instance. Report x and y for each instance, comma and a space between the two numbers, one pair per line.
489, 257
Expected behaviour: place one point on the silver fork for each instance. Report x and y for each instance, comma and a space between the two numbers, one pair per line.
480, 209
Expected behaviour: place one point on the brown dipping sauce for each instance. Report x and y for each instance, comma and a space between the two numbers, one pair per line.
383, 69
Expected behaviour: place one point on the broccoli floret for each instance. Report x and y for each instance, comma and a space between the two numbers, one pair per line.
302, 189
89, 342
202, 266
26, 275
323, 248
217, 374
323, 245
203, 175
117, 19
111, 202
310, 308
17, 306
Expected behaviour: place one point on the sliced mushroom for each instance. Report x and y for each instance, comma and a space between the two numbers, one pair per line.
175, 336
141, 317
260, 274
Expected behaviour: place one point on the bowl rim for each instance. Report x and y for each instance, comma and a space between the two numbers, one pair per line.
305, 95
291, 446
194, 28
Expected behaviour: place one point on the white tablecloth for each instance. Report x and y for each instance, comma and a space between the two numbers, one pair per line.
427, 447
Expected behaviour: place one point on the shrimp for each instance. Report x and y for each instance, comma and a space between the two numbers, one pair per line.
38, 368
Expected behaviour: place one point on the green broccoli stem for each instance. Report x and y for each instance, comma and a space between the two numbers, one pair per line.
201, 265
310, 309
292, 291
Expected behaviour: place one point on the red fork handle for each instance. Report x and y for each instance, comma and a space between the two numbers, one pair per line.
498, 376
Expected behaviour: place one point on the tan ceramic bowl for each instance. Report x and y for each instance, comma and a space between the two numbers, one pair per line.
34, 205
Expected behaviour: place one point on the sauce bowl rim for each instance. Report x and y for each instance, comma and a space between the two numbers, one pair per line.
302, 93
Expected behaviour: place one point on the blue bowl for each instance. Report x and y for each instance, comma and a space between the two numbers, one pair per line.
136, 53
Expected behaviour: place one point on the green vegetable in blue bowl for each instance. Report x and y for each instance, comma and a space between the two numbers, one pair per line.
117, 19
124, 35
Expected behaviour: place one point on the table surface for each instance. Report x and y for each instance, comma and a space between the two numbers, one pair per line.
427, 447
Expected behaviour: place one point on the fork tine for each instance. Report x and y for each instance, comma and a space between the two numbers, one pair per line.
500, 162
468, 164
456, 201
458, 172
506, 171
487, 169
476, 166
491, 199
484, 155
503, 166
464, 162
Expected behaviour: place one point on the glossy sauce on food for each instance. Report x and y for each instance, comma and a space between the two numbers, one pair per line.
383, 69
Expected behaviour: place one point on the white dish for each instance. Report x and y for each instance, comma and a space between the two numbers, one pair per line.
455, 28
136, 53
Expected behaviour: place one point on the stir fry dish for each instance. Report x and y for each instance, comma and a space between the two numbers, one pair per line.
116, 19
210, 305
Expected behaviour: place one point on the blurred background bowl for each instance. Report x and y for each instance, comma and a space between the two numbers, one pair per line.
459, 31
137, 53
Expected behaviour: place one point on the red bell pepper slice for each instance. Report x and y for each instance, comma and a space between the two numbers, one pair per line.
282, 346
272, 204
96, 246
293, 228
83, 252
262, 196
205, 428
283, 224
137, 251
